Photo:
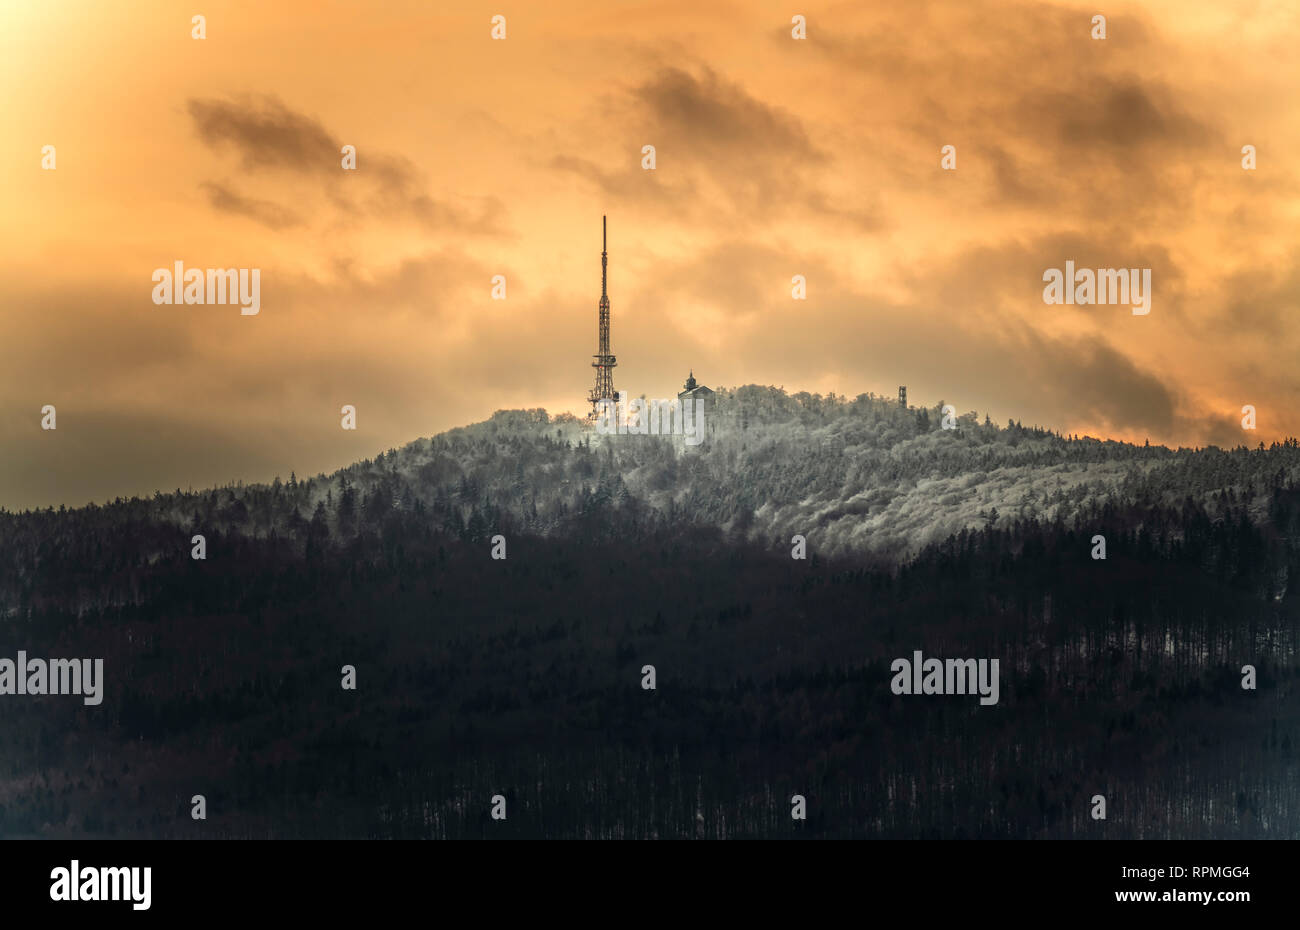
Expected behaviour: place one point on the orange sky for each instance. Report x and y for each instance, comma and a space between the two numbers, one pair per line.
775, 157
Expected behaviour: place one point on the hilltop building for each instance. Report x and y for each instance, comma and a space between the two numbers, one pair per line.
697, 392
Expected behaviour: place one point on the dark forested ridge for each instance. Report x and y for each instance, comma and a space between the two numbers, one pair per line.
522, 677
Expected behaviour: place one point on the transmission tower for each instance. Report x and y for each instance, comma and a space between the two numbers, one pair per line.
604, 362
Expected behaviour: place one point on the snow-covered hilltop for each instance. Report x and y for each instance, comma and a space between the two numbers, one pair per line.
861, 477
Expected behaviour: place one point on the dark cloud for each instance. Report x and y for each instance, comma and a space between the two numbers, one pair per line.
1097, 383
136, 453
1259, 301
1043, 116
155, 397
269, 214
720, 152
1109, 114
1219, 429
720, 118
267, 135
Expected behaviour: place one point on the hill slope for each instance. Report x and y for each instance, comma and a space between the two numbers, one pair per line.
523, 676
860, 478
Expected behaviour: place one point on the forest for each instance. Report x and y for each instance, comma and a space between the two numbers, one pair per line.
522, 677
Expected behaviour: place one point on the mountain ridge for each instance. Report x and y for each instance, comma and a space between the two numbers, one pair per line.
862, 477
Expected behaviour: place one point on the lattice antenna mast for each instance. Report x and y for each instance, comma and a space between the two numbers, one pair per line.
604, 362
